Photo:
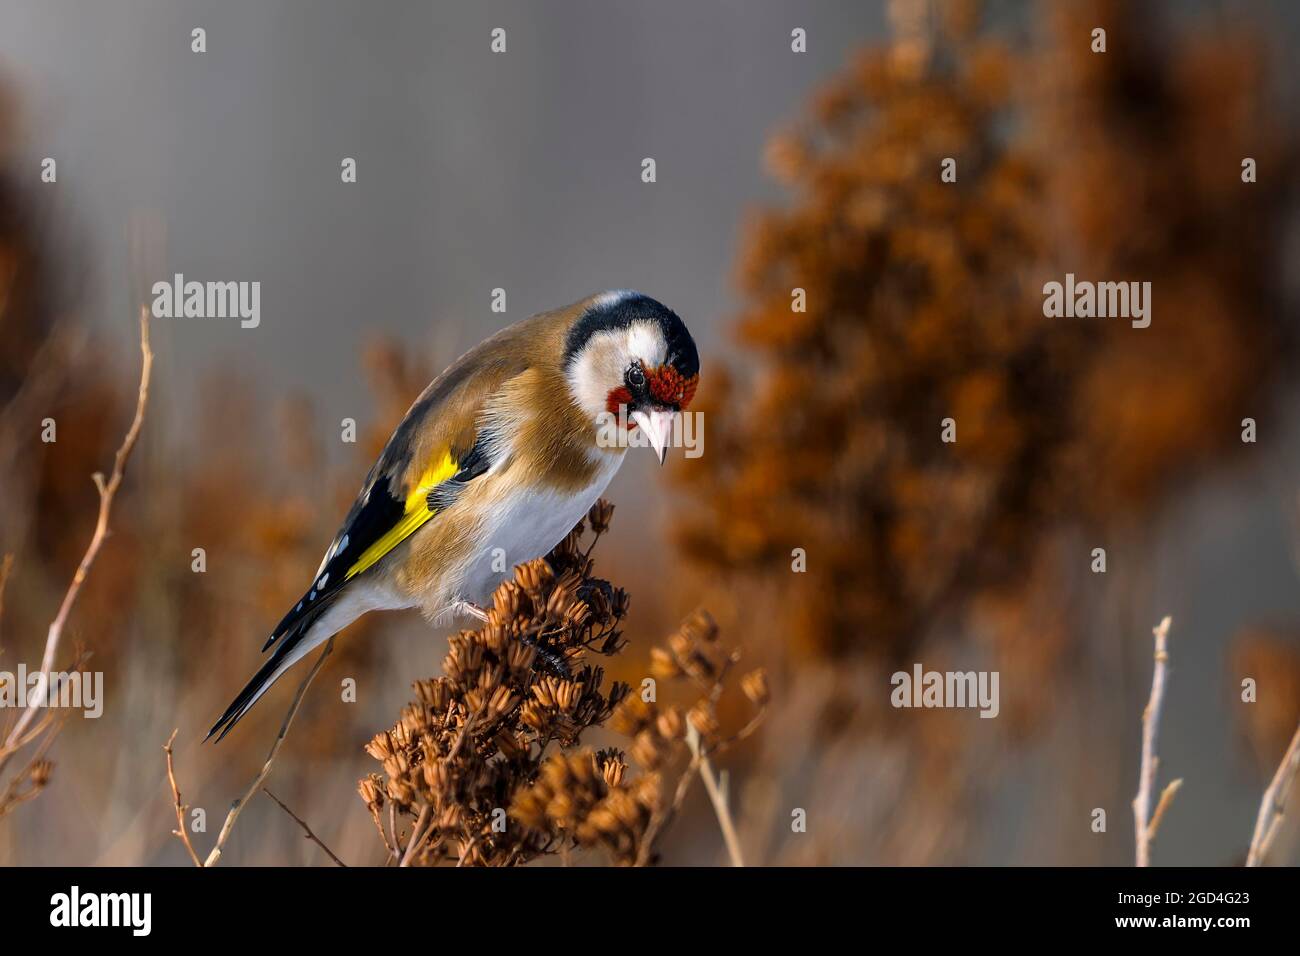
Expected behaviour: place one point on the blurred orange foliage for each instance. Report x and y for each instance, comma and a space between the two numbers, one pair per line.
925, 302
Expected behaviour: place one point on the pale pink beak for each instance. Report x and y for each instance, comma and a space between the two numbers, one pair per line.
658, 428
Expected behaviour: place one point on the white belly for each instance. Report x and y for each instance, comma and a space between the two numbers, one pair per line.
524, 527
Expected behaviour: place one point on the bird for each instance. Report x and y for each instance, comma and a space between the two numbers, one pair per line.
500, 456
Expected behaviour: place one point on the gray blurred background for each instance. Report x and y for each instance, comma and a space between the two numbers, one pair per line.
475, 170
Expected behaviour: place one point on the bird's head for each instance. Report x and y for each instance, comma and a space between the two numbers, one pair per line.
630, 360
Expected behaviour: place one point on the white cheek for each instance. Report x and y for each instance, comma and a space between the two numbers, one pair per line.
589, 380
600, 367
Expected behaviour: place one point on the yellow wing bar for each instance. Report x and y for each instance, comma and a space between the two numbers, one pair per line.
417, 513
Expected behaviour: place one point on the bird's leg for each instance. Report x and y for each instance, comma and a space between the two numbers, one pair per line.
470, 608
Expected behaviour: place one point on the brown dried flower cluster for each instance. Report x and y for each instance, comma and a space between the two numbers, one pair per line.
460, 751
469, 771
595, 798
924, 303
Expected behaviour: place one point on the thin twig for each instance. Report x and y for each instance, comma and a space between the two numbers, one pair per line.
1166, 798
423, 823
107, 491
12, 795
1144, 825
716, 797
700, 755
660, 819
181, 830
6, 566
238, 806
1272, 807
306, 829
379, 825
417, 834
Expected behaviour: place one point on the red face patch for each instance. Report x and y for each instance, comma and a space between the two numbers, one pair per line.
666, 386
617, 398
669, 387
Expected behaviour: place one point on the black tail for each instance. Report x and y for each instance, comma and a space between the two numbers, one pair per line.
289, 640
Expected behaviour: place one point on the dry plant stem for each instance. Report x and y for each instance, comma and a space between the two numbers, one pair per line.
306, 829
107, 492
1166, 798
423, 822
5, 567
661, 819
417, 834
716, 797
13, 795
1145, 826
1272, 807
181, 831
698, 756
238, 806
383, 835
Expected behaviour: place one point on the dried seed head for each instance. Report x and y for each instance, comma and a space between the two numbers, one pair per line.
401, 737
503, 700
496, 635
489, 677
649, 750
755, 686
507, 600
380, 746
413, 719
512, 745
437, 775
632, 716
569, 547
663, 665
536, 715
401, 793
39, 773
703, 719
561, 599
371, 789
599, 516
451, 816
669, 724
567, 695
520, 656
610, 765
534, 577
577, 615
546, 690
700, 627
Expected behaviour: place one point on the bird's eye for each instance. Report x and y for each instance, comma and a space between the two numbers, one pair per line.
635, 377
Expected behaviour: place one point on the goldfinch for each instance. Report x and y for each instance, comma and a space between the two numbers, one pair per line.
507, 449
